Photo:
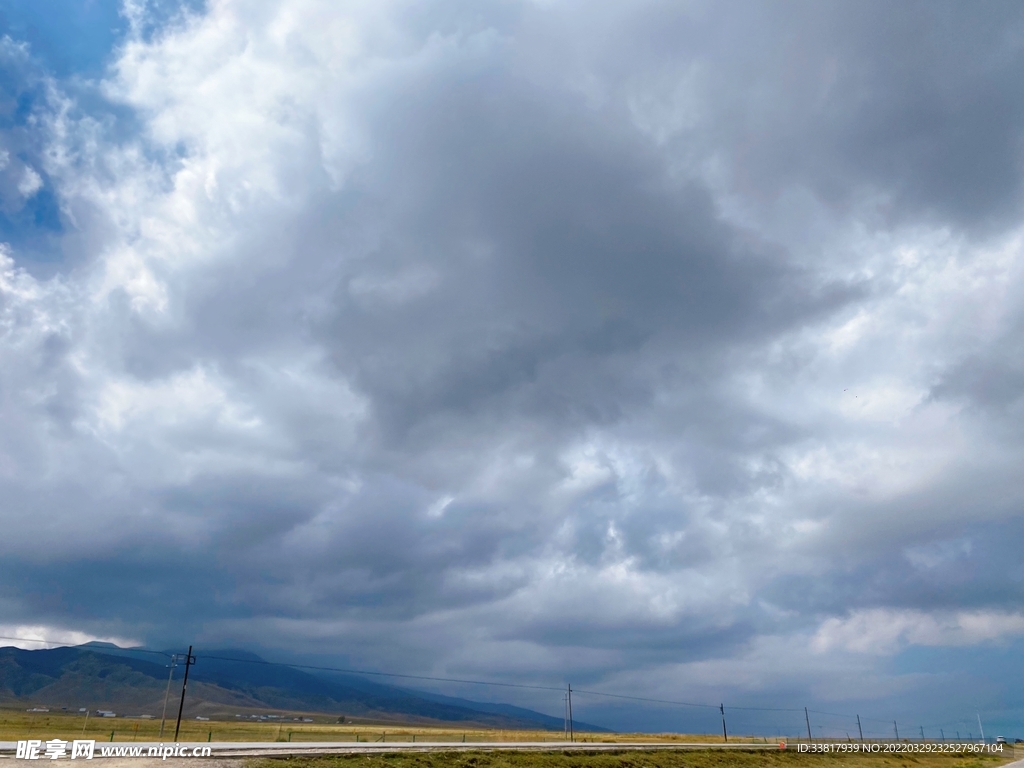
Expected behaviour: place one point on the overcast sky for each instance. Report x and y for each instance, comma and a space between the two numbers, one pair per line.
673, 349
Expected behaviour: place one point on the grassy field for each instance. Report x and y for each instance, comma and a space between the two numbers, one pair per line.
659, 759
18, 724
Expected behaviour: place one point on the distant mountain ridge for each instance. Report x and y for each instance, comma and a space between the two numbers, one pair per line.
104, 675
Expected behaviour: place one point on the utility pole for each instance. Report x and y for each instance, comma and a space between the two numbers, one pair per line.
572, 735
860, 730
897, 729
808, 720
189, 661
725, 733
565, 716
163, 717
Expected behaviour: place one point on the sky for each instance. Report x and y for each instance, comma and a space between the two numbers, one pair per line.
670, 349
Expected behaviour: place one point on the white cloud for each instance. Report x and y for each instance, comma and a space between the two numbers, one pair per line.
30, 183
32, 637
885, 631
489, 325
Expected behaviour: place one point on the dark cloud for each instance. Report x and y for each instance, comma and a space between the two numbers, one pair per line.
559, 253
911, 109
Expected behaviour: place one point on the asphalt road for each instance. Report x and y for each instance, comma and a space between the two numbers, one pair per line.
238, 749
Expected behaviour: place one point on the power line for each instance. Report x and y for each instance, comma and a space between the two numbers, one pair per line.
464, 681
488, 682
384, 674
838, 714
63, 644
642, 698
309, 666
503, 685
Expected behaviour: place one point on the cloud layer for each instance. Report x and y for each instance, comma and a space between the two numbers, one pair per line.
644, 345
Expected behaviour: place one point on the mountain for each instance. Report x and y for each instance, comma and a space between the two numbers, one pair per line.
101, 675
551, 723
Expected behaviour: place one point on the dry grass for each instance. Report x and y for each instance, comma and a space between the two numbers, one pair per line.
18, 724
658, 759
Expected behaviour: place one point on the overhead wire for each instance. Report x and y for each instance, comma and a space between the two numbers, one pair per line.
463, 681
63, 644
382, 674
643, 698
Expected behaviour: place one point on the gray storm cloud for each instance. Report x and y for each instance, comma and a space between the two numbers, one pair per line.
527, 339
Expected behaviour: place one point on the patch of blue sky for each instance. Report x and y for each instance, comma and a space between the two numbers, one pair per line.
33, 231
79, 37
30, 218
69, 37
72, 42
